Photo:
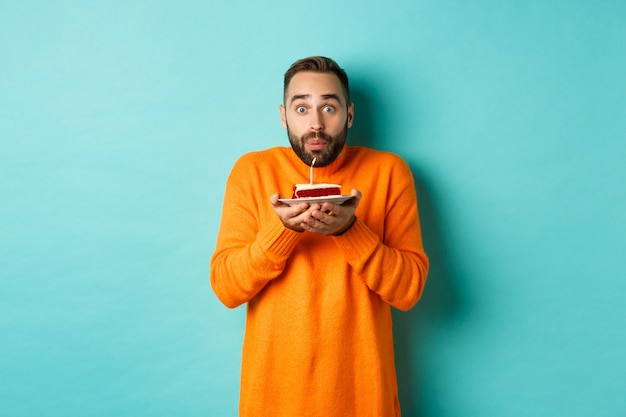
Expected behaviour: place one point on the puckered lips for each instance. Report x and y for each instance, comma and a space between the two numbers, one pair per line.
316, 144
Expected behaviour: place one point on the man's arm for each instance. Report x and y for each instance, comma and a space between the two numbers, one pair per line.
394, 265
249, 252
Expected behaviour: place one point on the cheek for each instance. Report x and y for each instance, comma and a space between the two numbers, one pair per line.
296, 124
339, 123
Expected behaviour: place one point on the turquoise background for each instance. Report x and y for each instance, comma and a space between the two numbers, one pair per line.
119, 122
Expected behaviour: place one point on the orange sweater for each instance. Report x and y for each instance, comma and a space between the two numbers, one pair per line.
318, 338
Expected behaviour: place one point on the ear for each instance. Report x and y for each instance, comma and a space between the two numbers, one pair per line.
283, 116
350, 114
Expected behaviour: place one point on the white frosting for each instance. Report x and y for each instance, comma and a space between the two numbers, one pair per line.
316, 186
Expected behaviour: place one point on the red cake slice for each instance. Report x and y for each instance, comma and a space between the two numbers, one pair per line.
315, 190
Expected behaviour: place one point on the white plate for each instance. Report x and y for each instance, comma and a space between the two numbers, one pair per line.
340, 199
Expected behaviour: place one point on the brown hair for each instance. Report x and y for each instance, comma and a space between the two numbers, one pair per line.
318, 64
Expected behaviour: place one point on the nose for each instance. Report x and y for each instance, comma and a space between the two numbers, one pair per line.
317, 123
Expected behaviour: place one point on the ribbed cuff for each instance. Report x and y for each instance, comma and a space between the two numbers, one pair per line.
357, 241
277, 241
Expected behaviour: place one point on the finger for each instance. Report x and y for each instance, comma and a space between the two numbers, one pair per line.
356, 194
355, 200
315, 226
327, 207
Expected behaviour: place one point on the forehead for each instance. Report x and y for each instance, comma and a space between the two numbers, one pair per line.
315, 85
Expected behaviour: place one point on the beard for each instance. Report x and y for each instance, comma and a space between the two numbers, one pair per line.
323, 157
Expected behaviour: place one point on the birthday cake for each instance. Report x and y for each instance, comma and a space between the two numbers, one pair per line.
315, 190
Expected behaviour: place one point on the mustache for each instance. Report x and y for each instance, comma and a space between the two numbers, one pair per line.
317, 135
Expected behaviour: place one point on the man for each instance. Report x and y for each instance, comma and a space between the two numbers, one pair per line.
319, 279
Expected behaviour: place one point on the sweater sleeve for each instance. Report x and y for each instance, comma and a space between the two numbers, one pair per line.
393, 265
249, 253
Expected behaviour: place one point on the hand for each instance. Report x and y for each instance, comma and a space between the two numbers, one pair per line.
291, 216
331, 219
325, 219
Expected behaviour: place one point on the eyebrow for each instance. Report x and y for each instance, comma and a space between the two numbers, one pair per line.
308, 96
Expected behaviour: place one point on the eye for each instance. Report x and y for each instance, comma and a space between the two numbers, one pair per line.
328, 109
300, 109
